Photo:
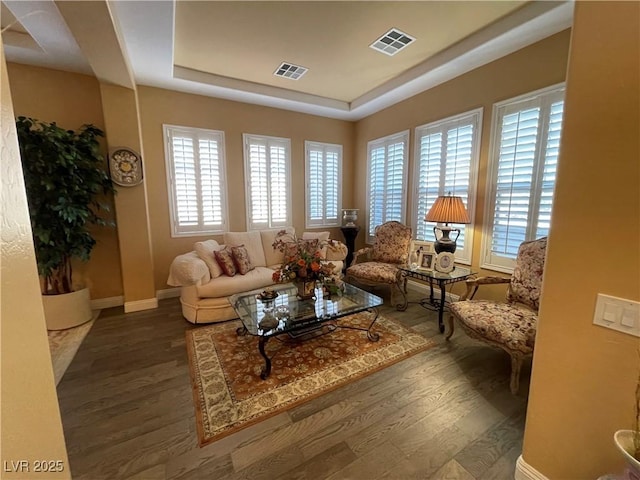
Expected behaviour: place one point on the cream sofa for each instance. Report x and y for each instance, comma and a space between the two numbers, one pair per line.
205, 290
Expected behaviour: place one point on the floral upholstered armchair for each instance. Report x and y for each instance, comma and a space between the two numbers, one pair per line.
390, 250
510, 326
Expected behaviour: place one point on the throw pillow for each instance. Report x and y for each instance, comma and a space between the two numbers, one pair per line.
252, 242
225, 260
205, 251
241, 259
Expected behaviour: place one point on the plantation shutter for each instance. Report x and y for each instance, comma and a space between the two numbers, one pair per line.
323, 172
267, 165
447, 162
518, 139
523, 178
386, 176
195, 162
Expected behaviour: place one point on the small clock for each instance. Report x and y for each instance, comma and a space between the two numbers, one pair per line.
125, 166
445, 262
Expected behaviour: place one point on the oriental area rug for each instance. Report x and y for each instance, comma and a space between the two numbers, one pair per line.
225, 369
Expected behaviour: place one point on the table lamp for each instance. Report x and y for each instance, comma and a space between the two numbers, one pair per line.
447, 209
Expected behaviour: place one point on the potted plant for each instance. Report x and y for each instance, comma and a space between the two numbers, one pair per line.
65, 180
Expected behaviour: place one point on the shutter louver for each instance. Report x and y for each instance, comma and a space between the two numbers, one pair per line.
548, 182
323, 171
267, 170
195, 159
447, 159
515, 176
525, 158
386, 171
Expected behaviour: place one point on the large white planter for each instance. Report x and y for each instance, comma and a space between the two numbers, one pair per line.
624, 442
67, 310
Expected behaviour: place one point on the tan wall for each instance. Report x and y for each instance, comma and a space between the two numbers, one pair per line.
584, 376
71, 100
531, 68
160, 107
122, 120
30, 416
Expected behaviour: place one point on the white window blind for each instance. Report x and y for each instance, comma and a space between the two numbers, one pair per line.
267, 173
196, 179
447, 155
386, 180
523, 161
323, 186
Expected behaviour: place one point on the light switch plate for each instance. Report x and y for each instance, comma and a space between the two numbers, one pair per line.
618, 314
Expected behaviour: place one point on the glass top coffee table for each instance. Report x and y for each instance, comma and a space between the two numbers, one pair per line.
286, 314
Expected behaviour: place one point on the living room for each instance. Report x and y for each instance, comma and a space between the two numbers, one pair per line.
131, 265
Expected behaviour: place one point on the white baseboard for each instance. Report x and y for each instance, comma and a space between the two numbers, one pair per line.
524, 471
100, 303
424, 289
168, 293
137, 305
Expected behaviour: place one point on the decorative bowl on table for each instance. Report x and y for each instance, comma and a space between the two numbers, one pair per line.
267, 295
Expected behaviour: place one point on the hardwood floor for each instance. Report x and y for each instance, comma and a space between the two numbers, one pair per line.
446, 413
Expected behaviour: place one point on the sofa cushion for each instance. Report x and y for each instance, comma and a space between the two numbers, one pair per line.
224, 286
205, 250
273, 256
241, 259
252, 242
225, 260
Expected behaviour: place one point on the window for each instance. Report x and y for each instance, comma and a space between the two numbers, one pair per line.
267, 167
386, 178
323, 167
523, 160
447, 153
197, 180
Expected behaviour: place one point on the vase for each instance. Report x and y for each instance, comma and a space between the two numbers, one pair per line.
349, 217
306, 289
624, 442
67, 310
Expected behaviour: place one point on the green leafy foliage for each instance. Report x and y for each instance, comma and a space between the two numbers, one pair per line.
65, 179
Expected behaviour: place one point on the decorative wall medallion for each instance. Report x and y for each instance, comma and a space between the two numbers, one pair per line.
125, 166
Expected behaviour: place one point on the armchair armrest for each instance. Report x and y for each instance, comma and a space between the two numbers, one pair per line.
474, 283
360, 253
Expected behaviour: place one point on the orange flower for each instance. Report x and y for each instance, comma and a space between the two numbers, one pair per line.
315, 266
302, 263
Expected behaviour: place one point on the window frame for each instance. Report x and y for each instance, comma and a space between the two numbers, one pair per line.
544, 97
403, 136
269, 140
196, 133
310, 145
463, 256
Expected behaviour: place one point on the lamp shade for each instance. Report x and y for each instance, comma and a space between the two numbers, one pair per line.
448, 209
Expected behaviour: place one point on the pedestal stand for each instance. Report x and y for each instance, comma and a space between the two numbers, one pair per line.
350, 234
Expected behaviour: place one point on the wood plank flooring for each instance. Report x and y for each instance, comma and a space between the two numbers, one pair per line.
446, 413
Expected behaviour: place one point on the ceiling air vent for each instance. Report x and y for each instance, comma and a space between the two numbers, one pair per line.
392, 42
291, 71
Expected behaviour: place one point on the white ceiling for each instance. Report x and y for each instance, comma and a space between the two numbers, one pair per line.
231, 49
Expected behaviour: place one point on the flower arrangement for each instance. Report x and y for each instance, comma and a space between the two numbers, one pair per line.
302, 260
